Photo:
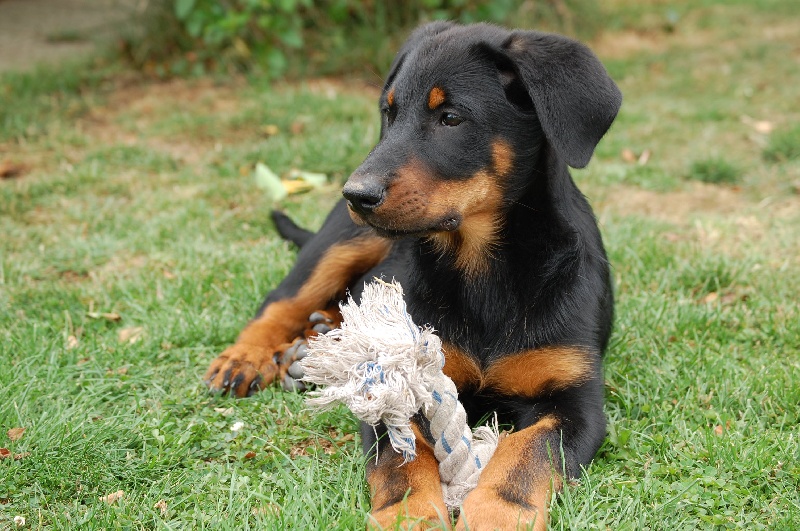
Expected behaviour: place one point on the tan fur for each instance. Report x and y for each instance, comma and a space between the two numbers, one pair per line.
527, 373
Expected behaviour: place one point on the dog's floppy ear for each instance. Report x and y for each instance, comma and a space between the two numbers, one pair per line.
574, 97
417, 36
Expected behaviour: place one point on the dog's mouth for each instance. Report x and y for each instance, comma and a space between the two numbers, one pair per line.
396, 229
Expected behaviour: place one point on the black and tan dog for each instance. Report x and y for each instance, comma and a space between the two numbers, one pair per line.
468, 202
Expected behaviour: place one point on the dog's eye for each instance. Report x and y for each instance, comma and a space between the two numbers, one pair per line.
451, 119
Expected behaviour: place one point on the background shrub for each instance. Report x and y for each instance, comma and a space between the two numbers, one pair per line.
301, 37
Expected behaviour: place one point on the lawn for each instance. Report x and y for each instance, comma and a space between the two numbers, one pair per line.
135, 245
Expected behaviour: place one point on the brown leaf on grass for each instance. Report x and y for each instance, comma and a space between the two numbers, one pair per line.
628, 156
5, 453
72, 342
266, 510
249, 455
130, 335
161, 505
110, 316
270, 130
718, 429
113, 497
15, 434
11, 170
764, 127
711, 297
297, 128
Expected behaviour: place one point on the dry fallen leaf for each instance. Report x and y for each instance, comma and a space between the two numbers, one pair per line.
270, 130
764, 127
5, 453
161, 505
10, 170
110, 316
718, 429
113, 497
249, 455
644, 157
15, 434
711, 297
72, 342
130, 335
628, 155
266, 510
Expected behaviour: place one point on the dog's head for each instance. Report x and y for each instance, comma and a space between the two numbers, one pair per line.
465, 113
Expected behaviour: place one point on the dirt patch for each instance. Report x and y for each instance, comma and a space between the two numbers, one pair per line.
627, 43
676, 206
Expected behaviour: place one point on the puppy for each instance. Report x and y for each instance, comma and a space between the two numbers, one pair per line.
467, 201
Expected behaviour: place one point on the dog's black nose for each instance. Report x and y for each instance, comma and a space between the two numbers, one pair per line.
363, 196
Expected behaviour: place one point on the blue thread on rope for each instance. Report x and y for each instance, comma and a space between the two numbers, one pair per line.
445, 445
436, 396
373, 373
478, 463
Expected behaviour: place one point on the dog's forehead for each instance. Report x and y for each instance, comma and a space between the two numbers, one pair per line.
448, 59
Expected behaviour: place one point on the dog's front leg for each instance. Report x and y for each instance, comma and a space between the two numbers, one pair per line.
406, 495
514, 489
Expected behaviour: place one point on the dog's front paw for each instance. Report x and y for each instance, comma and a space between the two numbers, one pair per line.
242, 370
290, 366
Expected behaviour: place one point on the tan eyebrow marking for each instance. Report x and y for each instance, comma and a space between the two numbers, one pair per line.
390, 96
435, 98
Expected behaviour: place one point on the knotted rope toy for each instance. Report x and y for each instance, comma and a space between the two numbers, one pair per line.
387, 369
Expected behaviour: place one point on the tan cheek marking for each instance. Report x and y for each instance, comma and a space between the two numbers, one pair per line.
532, 372
390, 96
435, 98
502, 157
478, 200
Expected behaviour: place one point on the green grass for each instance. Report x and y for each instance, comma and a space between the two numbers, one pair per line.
140, 202
714, 170
783, 145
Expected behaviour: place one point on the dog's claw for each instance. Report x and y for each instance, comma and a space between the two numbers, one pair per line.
296, 371
290, 384
318, 317
226, 379
321, 328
